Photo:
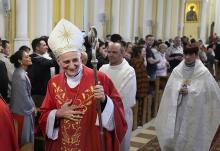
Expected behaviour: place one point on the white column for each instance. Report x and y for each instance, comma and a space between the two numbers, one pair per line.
127, 18
181, 26
41, 16
211, 18
2, 21
49, 16
21, 37
203, 21
115, 16
99, 16
72, 11
159, 22
217, 20
136, 19
175, 18
147, 18
62, 8
86, 16
168, 19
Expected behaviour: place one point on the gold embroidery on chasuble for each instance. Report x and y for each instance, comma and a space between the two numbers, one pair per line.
186, 82
59, 93
70, 130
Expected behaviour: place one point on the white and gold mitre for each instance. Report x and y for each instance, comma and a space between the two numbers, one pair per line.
65, 37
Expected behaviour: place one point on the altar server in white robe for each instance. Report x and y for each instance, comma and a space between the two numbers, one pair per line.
189, 113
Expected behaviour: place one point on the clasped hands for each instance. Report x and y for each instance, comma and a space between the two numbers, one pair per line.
73, 112
183, 89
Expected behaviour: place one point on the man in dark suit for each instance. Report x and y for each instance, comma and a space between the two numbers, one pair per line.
4, 57
3, 81
40, 70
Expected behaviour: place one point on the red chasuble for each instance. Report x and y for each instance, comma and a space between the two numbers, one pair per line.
84, 134
8, 140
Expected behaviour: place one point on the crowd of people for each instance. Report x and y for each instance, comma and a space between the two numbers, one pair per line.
52, 90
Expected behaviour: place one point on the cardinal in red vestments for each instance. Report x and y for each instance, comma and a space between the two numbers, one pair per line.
69, 111
8, 139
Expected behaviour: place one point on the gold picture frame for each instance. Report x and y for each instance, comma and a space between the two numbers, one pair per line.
192, 11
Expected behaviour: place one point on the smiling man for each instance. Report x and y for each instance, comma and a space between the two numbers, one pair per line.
68, 114
188, 116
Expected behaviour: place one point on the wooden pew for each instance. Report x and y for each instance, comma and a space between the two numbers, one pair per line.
142, 112
135, 115
146, 108
160, 84
152, 97
148, 101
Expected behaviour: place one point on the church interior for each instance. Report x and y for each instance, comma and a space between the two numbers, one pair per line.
192, 22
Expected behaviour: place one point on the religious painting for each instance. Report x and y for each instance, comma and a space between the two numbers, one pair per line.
192, 11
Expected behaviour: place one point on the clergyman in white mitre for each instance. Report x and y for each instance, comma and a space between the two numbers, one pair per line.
69, 107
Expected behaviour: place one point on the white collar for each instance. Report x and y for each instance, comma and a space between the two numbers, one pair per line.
119, 66
45, 55
4, 55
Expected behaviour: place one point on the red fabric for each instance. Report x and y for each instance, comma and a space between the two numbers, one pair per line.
20, 121
8, 140
83, 135
216, 137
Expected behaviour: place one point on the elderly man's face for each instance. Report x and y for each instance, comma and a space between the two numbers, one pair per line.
177, 41
70, 62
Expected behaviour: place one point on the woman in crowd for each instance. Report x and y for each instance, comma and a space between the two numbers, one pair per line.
137, 62
163, 64
22, 105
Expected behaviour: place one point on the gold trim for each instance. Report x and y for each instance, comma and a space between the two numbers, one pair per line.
71, 129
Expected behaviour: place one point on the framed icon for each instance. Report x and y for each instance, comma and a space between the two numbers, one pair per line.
192, 11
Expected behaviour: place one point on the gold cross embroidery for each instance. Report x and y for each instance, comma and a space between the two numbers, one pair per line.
186, 82
65, 34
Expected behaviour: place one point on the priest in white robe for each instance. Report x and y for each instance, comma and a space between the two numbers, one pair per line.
189, 113
124, 79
